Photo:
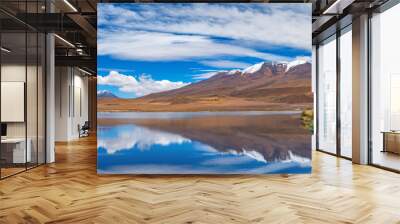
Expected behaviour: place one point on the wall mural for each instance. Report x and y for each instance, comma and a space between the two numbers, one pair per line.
204, 88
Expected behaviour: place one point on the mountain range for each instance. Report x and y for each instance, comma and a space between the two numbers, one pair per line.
263, 86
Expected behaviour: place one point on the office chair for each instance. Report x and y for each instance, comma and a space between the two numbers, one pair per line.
84, 130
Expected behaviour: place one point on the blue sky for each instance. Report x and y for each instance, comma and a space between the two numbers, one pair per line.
146, 48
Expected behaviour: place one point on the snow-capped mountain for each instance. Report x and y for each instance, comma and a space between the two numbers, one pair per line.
253, 68
276, 67
105, 94
294, 63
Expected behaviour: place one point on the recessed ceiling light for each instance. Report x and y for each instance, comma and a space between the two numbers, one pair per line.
70, 5
64, 40
86, 72
5, 50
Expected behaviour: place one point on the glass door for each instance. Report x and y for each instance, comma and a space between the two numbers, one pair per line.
327, 96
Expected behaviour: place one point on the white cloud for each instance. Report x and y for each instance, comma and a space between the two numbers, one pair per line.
279, 25
143, 85
157, 46
114, 69
252, 154
304, 58
226, 64
103, 92
204, 75
170, 32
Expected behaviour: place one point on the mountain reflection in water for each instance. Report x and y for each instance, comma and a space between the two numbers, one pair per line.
209, 143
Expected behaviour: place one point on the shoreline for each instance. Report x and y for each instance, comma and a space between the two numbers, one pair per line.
184, 114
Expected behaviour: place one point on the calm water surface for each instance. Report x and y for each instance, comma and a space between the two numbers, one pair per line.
202, 143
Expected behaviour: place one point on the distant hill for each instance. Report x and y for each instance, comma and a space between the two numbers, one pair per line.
263, 86
105, 94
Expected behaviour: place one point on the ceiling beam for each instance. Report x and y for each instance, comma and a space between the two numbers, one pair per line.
84, 24
77, 61
337, 7
89, 30
49, 22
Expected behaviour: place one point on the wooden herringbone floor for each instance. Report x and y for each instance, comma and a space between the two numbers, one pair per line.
70, 191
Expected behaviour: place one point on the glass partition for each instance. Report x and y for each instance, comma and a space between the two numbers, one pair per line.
327, 96
385, 89
22, 88
13, 114
346, 93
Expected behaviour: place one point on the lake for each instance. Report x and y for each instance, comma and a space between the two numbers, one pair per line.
253, 142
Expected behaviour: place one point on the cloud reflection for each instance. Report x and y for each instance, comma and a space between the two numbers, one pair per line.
130, 136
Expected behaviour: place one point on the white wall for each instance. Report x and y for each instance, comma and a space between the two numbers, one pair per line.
62, 82
71, 102
80, 104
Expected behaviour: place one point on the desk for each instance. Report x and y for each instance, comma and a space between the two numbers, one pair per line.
19, 155
391, 141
